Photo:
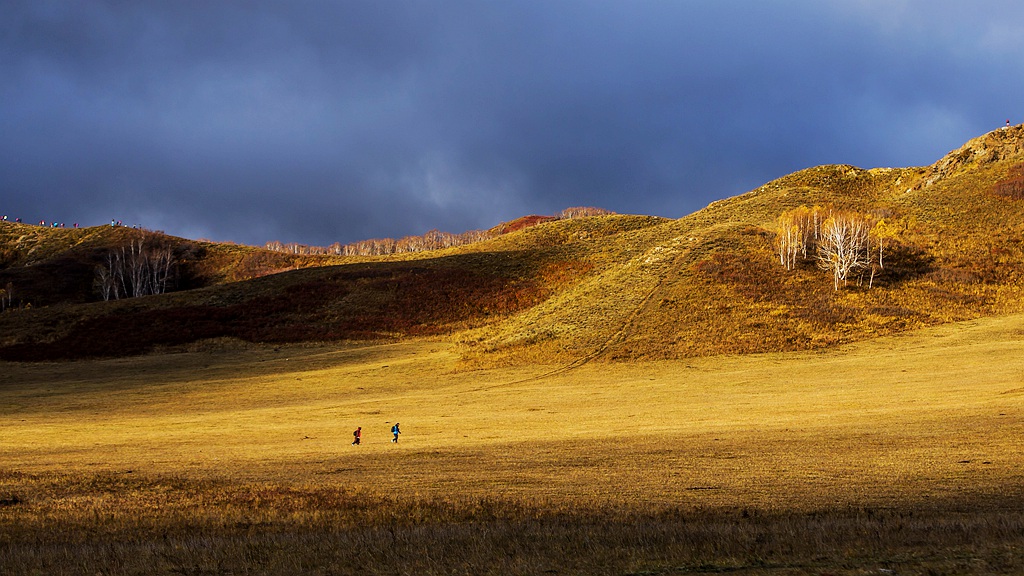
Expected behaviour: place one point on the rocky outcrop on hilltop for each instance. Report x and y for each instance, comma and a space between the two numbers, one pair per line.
992, 147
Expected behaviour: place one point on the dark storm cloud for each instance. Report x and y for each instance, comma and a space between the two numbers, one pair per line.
319, 122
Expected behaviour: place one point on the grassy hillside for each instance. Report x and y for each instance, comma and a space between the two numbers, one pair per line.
49, 266
367, 298
710, 283
614, 287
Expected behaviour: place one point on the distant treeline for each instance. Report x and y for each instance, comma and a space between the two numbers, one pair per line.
433, 240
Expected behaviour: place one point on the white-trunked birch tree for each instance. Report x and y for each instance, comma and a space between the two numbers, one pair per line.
844, 245
798, 233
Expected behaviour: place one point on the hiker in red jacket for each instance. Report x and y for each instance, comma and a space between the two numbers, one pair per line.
357, 435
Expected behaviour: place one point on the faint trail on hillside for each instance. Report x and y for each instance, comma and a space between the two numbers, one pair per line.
620, 334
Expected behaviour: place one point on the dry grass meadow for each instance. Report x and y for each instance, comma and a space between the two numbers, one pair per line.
900, 455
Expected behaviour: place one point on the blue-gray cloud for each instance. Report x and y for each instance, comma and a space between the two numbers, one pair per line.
318, 122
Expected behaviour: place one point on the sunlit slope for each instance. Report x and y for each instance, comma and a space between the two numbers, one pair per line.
711, 282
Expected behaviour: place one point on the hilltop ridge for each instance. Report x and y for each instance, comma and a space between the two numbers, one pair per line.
1004, 143
603, 288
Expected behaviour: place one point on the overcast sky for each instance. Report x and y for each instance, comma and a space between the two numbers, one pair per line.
337, 121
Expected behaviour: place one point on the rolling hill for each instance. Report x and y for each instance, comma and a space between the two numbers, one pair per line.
602, 288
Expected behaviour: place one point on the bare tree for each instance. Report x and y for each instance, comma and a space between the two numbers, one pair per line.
106, 279
810, 221
787, 240
161, 263
137, 267
843, 245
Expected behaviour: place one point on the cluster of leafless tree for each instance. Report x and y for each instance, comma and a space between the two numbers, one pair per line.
142, 267
840, 241
582, 212
433, 240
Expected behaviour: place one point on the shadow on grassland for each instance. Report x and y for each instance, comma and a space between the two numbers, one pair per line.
127, 524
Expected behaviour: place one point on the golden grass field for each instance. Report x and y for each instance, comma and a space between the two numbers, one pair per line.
900, 454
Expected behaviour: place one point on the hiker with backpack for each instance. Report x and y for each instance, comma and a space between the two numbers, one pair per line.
396, 432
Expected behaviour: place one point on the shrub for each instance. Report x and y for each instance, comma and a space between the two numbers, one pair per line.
1013, 185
